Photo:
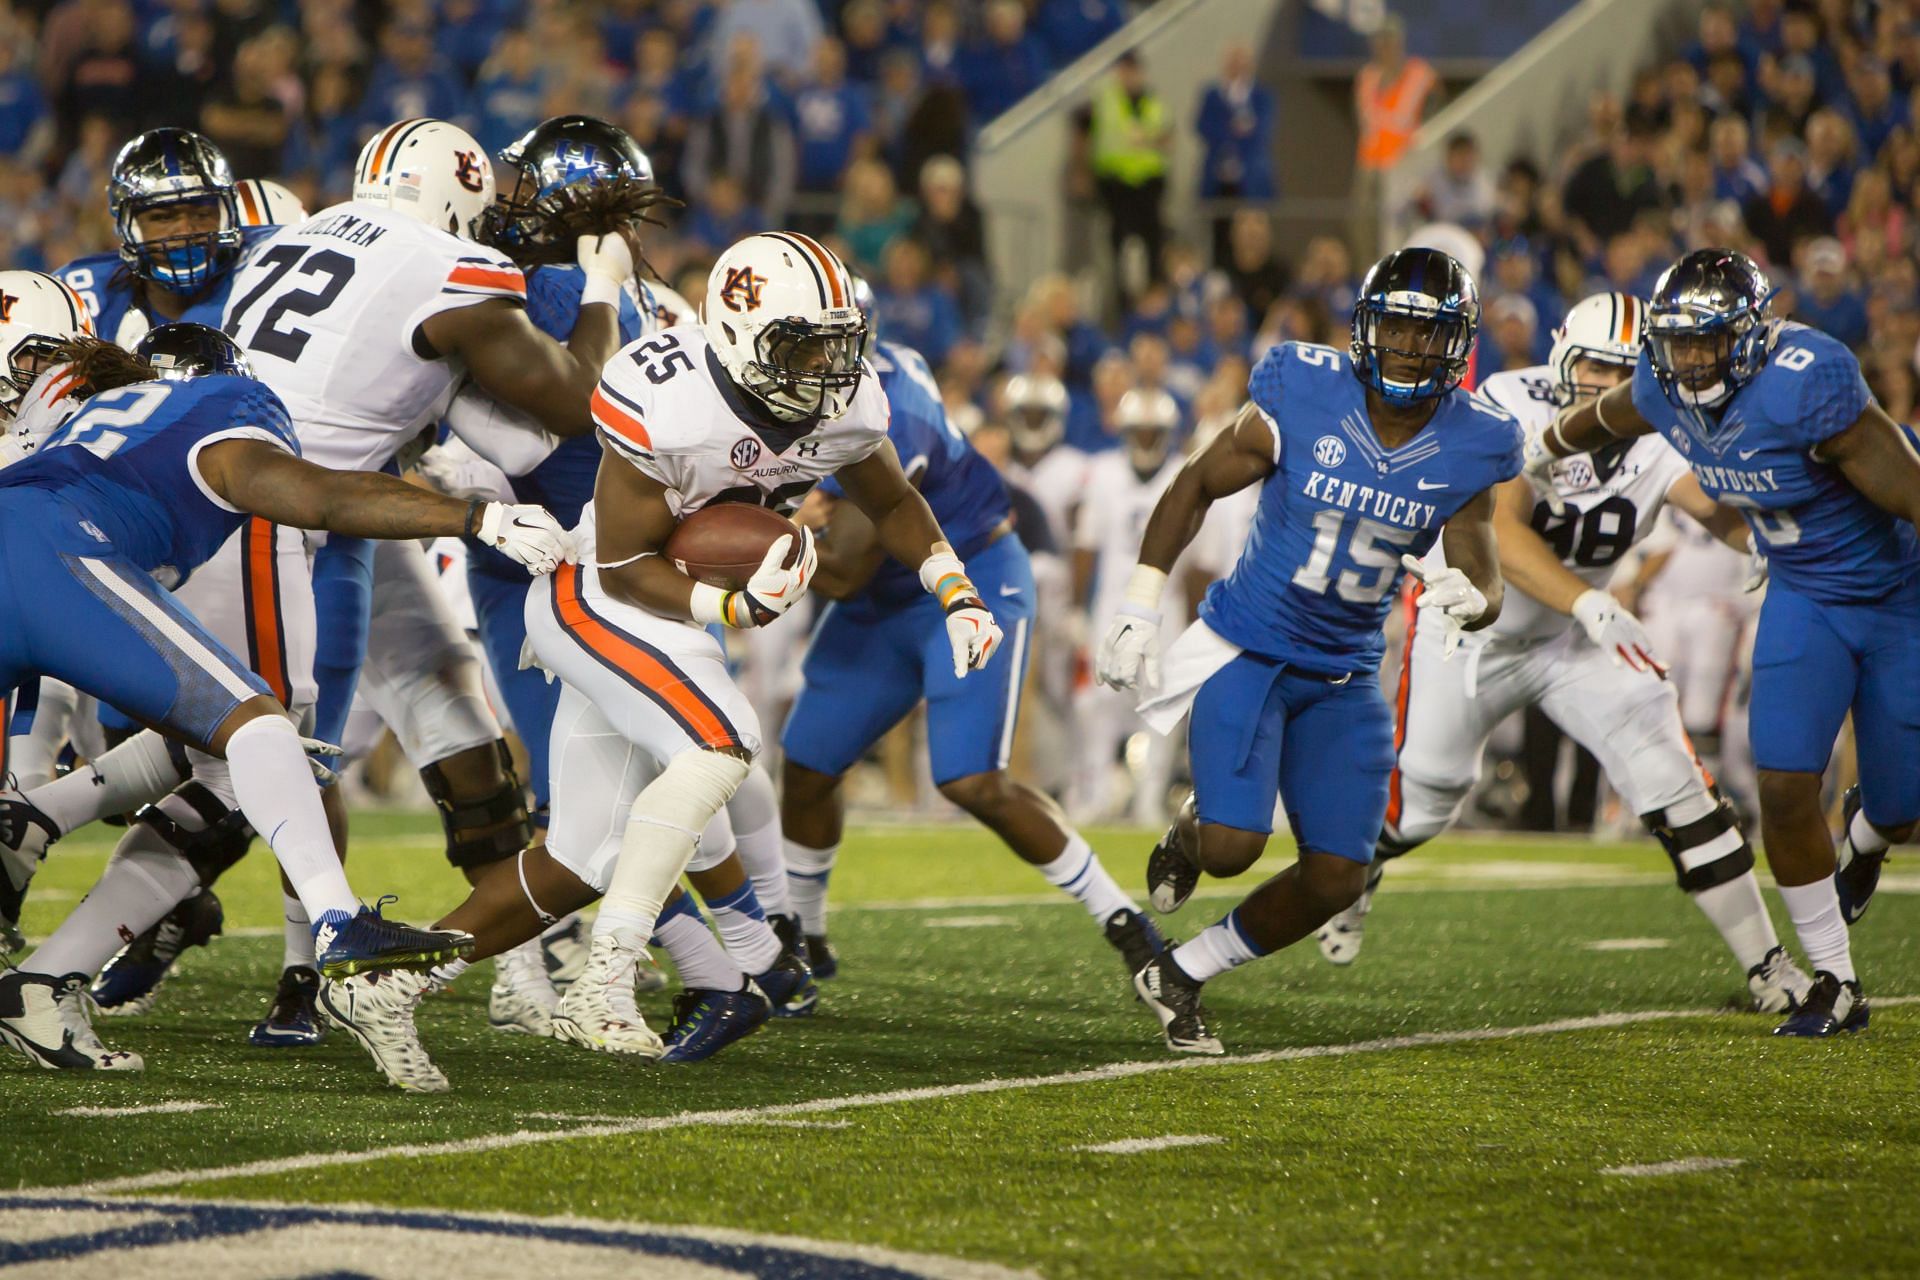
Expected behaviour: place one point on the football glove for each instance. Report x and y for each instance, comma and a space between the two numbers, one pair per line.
525, 533
1618, 633
971, 630
773, 589
608, 263
1450, 597
1757, 571
1129, 656
318, 755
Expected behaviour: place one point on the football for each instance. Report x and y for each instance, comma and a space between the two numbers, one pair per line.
722, 545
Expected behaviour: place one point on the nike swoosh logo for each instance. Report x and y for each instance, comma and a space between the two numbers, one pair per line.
1746, 453
1009, 591
1423, 486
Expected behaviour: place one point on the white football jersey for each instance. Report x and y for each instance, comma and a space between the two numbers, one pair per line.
1613, 495
329, 312
1110, 526
664, 405
1056, 483
1699, 567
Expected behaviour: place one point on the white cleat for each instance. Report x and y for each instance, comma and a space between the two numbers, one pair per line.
1777, 984
523, 997
1340, 937
42, 1018
598, 1012
377, 1010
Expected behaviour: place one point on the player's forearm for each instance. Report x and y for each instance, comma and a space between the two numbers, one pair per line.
1175, 521
1596, 422
1082, 576
1728, 525
1528, 563
650, 582
907, 530
361, 504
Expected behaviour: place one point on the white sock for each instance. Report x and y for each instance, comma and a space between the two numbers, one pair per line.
275, 789
1078, 872
1740, 914
297, 950
33, 756
1864, 837
142, 882
697, 956
138, 771
743, 927
1815, 909
662, 831
1217, 948
754, 813
808, 871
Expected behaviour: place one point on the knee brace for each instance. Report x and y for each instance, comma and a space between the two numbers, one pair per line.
1703, 838
1392, 844
221, 839
507, 804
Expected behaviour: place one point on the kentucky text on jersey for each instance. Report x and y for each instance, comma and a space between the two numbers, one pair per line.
1735, 480
1369, 501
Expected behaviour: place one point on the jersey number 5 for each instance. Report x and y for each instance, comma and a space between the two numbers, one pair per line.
1372, 545
331, 268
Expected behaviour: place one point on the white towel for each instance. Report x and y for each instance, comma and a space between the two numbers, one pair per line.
1188, 663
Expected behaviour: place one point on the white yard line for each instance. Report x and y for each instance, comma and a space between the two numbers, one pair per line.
1134, 1146
1627, 944
822, 1106
151, 1109
1692, 1164
969, 922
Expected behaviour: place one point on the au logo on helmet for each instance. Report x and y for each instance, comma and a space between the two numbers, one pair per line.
741, 291
7, 304
466, 170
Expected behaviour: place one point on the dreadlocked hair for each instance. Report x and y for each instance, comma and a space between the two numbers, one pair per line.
96, 365
597, 210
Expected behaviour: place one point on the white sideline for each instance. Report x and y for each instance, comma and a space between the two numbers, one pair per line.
818, 1106
1692, 1164
1134, 1146
151, 1109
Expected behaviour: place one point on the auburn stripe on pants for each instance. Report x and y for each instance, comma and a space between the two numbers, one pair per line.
266, 636
640, 664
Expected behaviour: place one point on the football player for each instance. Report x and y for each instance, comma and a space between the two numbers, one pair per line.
1565, 645
879, 652
1775, 419
145, 464
763, 399
1365, 460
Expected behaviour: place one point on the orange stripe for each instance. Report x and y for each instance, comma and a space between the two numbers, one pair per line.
1627, 316
619, 421
253, 213
827, 264
265, 618
386, 140
1400, 699
642, 666
489, 278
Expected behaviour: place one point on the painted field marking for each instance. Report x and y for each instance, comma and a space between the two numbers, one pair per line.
151, 1109
1627, 944
970, 922
820, 1106
1133, 1146
1692, 1164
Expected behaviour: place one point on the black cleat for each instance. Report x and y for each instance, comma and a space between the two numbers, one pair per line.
131, 981
293, 1021
1857, 874
1831, 1007
822, 958
1135, 937
1171, 875
1164, 987
811, 948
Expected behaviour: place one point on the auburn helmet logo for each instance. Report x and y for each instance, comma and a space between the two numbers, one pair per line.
741, 292
466, 170
7, 304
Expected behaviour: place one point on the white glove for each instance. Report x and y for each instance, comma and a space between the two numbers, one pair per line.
1450, 596
1129, 656
1618, 633
1536, 464
971, 630
608, 262
774, 589
315, 749
526, 533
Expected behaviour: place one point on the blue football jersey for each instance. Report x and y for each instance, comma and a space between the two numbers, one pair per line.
125, 464
1822, 537
1316, 579
107, 287
966, 493
563, 483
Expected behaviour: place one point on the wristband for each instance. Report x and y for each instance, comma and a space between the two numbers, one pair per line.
1146, 587
600, 289
710, 604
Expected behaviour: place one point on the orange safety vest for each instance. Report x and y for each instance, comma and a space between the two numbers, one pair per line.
1390, 113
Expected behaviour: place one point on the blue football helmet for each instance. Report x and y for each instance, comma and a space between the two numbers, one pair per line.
185, 350
1707, 329
160, 169
1416, 306
553, 156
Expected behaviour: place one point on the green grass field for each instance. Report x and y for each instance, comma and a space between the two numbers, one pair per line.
1482, 1094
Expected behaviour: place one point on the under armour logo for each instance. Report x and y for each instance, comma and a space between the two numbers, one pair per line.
809, 449
467, 171
741, 290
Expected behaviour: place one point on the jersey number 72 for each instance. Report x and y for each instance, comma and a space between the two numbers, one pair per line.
330, 267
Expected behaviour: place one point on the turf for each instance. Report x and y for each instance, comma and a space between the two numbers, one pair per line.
1475, 1158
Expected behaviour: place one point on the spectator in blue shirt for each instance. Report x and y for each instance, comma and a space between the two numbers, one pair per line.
325, 145
863, 27
938, 44
1876, 111
1828, 300
1516, 332
466, 35
785, 30
511, 96
1831, 161
1068, 28
1736, 175
721, 217
1005, 66
830, 119
1515, 267
1760, 29
22, 105
1236, 129
411, 80
914, 308
660, 72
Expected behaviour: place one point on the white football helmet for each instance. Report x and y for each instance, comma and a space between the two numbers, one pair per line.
1036, 406
429, 170
1147, 419
265, 203
780, 315
37, 314
1603, 328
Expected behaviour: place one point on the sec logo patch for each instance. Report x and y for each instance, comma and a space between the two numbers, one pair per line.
744, 454
1328, 451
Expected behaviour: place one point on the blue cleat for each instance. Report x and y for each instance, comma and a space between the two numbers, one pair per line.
292, 1022
368, 942
1857, 874
789, 987
131, 981
822, 958
705, 1022
1831, 1007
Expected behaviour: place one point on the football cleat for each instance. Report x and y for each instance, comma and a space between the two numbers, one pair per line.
807, 946
377, 1010
368, 942
1341, 936
1164, 987
705, 1022
25, 836
1778, 985
1830, 1007
42, 1018
565, 951
522, 997
1856, 874
598, 1012
1171, 874
130, 983
789, 987
1135, 937
292, 1021
822, 958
